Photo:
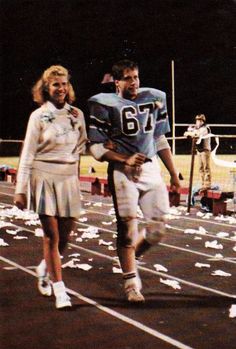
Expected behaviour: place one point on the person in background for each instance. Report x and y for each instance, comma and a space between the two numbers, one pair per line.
127, 129
200, 129
48, 167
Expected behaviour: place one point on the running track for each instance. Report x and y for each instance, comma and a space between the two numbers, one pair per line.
195, 316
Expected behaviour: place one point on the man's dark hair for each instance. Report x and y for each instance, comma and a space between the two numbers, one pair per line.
119, 67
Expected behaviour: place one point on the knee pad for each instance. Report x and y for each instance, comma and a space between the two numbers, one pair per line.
127, 232
155, 231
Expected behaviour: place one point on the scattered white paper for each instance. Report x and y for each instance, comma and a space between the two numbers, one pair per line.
232, 311
98, 204
202, 265
220, 273
190, 231
72, 233
17, 237
172, 283
11, 232
84, 266
39, 232
111, 248
201, 231
105, 243
5, 224
222, 234
107, 223
90, 259
199, 214
197, 238
83, 219
214, 244
79, 240
234, 248
116, 270
3, 243
89, 235
111, 212
74, 255
87, 203
160, 267
69, 264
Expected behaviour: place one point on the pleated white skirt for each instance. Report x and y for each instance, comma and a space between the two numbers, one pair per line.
55, 189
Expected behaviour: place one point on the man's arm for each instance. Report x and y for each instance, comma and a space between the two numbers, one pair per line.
167, 159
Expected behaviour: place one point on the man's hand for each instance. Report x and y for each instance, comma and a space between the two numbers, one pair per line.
174, 183
135, 159
20, 201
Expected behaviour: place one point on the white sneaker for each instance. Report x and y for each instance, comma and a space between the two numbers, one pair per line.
63, 301
44, 285
133, 294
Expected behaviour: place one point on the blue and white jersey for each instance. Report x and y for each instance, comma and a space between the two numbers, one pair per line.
133, 125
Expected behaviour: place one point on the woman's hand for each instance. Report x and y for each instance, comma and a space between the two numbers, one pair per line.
20, 201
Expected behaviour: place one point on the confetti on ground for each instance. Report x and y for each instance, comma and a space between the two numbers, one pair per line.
160, 267
116, 270
87, 204
214, 244
222, 234
17, 237
74, 255
197, 238
38, 232
72, 233
105, 243
83, 219
234, 248
90, 229
190, 231
111, 212
220, 273
5, 224
111, 248
33, 222
84, 266
3, 243
98, 204
107, 223
202, 265
12, 232
172, 283
89, 235
232, 311
201, 231
79, 240
229, 219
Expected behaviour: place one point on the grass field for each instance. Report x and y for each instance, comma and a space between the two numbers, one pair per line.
223, 177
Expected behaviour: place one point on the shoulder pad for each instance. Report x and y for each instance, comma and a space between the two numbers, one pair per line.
107, 99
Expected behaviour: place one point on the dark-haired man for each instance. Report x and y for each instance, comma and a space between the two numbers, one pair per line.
127, 129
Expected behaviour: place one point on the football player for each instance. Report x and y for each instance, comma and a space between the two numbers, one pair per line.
127, 129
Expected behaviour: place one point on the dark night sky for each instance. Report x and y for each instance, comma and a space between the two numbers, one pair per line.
88, 36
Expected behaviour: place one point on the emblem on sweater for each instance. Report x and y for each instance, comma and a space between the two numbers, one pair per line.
47, 117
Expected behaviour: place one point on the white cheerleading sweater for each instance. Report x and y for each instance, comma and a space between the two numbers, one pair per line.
53, 136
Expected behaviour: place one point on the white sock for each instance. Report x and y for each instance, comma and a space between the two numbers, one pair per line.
42, 268
58, 288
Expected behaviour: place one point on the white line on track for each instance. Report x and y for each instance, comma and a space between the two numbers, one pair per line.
228, 260
191, 218
209, 289
111, 312
195, 285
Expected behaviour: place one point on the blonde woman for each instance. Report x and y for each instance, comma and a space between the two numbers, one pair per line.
48, 168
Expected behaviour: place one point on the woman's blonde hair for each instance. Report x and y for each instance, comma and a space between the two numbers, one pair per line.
40, 89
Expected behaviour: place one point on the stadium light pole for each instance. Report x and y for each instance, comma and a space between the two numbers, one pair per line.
173, 104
